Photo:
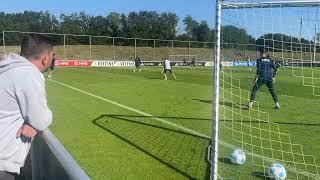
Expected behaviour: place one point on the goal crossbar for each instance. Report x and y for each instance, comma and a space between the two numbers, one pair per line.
269, 4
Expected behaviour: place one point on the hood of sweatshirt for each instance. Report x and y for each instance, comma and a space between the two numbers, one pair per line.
11, 60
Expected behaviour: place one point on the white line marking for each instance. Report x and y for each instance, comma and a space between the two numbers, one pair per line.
137, 111
182, 128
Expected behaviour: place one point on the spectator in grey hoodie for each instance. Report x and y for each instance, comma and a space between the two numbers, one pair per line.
23, 104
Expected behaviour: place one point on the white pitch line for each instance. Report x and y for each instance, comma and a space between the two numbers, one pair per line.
181, 127
135, 110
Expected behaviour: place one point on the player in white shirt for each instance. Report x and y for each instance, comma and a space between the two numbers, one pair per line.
166, 68
248, 62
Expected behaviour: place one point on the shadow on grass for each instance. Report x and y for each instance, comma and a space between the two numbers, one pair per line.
226, 120
224, 103
203, 101
162, 117
237, 105
225, 160
233, 105
183, 152
159, 78
273, 122
260, 175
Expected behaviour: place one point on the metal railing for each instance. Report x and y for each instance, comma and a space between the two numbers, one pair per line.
88, 47
50, 160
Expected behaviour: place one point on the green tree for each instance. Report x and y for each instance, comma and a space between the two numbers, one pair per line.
191, 27
113, 24
203, 32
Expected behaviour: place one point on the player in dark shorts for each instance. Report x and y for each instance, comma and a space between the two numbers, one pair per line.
52, 66
266, 71
184, 62
193, 63
137, 63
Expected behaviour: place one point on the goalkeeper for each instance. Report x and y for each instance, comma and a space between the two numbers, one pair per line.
266, 71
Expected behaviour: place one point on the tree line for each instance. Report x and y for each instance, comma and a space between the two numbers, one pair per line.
238, 38
143, 24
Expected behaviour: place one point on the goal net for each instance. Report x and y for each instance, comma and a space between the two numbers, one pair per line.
290, 135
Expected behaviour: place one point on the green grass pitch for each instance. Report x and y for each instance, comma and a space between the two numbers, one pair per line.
121, 141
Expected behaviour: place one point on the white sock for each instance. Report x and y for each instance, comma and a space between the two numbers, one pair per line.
165, 76
250, 104
174, 76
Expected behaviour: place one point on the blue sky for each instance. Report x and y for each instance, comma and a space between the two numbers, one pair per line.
198, 9
257, 21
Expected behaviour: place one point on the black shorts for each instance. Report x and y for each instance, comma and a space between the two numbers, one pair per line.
166, 70
51, 68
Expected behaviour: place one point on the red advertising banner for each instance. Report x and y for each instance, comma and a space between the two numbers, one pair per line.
73, 63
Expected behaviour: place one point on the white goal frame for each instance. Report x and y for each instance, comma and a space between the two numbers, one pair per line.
236, 4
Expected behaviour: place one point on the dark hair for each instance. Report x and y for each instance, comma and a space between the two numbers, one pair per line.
34, 45
263, 50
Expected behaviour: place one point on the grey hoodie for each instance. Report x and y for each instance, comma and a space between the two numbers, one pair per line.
22, 100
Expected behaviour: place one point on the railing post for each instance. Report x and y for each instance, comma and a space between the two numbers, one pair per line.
135, 48
90, 47
154, 50
64, 47
113, 49
3, 42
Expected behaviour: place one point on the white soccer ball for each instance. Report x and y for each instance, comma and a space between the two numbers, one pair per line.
134, 70
277, 171
238, 157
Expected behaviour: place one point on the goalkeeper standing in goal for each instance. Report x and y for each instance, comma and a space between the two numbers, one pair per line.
266, 71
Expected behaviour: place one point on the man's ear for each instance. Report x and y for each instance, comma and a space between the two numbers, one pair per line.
45, 59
